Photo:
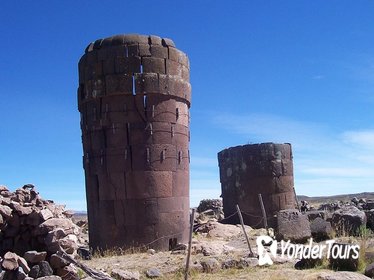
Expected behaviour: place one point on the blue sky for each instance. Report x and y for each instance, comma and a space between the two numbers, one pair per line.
261, 71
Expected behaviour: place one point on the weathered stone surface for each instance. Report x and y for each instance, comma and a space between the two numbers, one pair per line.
34, 271
321, 229
341, 275
229, 263
6, 212
21, 210
247, 262
370, 219
52, 277
369, 270
153, 273
23, 264
34, 256
21, 274
69, 245
293, 226
348, 220
45, 269
210, 265
10, 261
45, 214
120, 274
312, 215
68, 273
308, 263
116, 96
54, 223
345, 264
84, 253
209, 204
57, 262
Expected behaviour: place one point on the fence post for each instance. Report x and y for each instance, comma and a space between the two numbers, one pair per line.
245, 234
263, 211
189, 244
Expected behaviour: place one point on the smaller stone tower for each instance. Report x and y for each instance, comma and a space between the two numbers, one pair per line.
249, 170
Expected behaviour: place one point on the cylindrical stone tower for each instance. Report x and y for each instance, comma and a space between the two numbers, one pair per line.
134, 97
249, 170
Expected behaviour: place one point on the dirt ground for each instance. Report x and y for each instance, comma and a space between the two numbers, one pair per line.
223, 243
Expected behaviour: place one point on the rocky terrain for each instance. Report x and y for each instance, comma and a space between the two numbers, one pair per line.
41, 240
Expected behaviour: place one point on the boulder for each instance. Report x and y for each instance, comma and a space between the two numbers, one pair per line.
34, 271
209, 204
23, 264
312, 215
45, 214
229, 263
120, 274
369, 270
370, 204
21, 274
40, 270
45, 269
348, 220
34, 257
69, 245
153, 273
293, 226
53, 223
6, 212
21, 210
343, 264
68, 273
33, 219
10, 261
84, 253
57, 262
341, 275
370, 219
308, 263
210, 265
321, 229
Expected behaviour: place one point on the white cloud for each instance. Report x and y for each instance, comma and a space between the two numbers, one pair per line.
362, 138
324, 162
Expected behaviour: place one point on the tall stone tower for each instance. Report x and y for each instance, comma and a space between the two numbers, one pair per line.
249, 170
134, 97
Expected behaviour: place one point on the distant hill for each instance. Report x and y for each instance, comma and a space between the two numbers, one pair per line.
340, 197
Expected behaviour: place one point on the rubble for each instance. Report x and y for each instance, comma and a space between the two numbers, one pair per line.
32, 231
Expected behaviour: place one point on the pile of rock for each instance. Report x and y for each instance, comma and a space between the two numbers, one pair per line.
32, 230
361, 204
208, 210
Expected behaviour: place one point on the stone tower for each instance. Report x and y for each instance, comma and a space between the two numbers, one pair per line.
134, 97
249, 170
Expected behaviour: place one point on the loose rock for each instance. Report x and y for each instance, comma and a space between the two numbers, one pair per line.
34, 256
348, 220
293, 226
153, 273
210, 265
120, 274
